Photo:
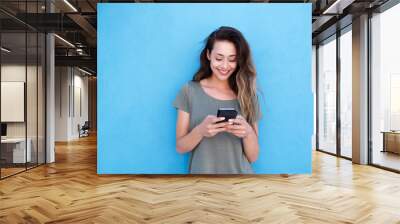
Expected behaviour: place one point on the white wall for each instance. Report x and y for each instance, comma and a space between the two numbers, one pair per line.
71, 93
62, 81
80, 84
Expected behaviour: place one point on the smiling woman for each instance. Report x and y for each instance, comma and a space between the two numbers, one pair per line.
158, 138
226, 79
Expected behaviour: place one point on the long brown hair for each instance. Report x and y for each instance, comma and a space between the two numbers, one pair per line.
243, 79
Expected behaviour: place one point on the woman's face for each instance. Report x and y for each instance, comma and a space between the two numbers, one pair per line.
222, 59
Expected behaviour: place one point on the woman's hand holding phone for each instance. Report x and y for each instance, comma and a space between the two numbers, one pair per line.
209, 126
239, 127
212, 125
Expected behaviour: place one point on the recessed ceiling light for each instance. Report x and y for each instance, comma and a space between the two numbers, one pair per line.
64, 40
84, 71
338, 6
71, 6
5, 50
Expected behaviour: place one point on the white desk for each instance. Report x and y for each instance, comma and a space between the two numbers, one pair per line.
19, 149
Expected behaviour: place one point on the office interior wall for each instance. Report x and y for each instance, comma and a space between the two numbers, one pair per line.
71, 102
62, 113
32, 111
81, 104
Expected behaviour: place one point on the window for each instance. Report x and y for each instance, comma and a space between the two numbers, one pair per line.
346, 93
327, 96
385, 88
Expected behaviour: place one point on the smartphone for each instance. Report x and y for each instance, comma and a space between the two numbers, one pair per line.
228, 113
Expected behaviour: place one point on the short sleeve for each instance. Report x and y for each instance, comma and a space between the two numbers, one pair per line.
181, 101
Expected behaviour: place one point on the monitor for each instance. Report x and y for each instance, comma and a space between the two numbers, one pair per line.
3, 129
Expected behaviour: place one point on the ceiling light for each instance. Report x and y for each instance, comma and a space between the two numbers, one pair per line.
338, 6
86, 72
71, 6
64, 40
5, 50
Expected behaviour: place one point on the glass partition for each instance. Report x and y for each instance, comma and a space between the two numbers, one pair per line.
346, 93
22, 101
327, 95
385, 85
14, 153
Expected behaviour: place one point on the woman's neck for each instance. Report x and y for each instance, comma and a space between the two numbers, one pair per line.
219, 84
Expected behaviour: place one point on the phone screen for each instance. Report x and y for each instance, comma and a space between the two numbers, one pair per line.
228, 113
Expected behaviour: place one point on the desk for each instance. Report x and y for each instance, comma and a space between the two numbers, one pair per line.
17, 150
391, 141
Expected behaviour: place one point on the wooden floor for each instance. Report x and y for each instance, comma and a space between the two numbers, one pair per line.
387, 159
70, 191
5, 172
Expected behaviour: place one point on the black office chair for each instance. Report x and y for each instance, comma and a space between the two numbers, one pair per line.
84, 130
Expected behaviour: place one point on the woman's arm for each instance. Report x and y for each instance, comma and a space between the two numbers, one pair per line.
249, 134
250, 144
186, 141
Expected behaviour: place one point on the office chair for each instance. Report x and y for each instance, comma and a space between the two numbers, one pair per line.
84, 130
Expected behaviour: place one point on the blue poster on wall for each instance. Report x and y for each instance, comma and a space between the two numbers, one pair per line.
148, 52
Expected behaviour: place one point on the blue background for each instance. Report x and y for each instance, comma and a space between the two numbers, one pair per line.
147, 52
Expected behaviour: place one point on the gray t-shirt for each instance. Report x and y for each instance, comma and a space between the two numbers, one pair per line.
222, 153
